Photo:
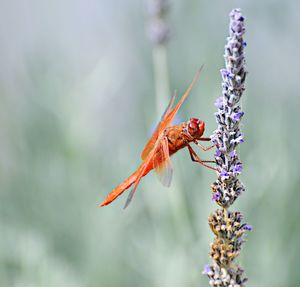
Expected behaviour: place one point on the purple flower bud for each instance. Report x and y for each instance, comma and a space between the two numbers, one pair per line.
216, 196
232, 154
237, 169
240, 240
237, 116
224, 72
239, 139
230, 75
248, 227
218, 153
206, 269
224, 174
219, 102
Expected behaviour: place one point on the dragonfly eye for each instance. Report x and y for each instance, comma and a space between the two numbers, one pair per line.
196, 127
195, 120
193, 123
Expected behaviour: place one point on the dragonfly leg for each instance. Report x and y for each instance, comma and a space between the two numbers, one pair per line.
195, 158
203, 147
198, 144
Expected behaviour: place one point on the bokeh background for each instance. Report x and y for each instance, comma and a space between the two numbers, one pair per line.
77, 104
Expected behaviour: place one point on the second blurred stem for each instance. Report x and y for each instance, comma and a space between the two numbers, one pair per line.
162, 98
161, 78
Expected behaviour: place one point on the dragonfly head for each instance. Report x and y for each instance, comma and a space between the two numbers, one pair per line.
196, 128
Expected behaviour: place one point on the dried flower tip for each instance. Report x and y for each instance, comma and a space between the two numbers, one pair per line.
223, 252
229, 227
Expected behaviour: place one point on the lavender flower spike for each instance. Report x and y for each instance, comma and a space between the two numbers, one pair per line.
229, 114
226, 225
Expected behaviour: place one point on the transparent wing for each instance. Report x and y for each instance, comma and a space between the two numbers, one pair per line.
170, 116
150, 144
162, 163
143, 169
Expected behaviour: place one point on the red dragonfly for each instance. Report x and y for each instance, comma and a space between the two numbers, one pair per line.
165, 141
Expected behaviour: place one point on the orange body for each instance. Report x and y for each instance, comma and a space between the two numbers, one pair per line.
177, 140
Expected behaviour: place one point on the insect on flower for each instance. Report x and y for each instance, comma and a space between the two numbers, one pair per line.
165, 141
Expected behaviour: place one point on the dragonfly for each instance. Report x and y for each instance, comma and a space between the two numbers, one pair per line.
166, 140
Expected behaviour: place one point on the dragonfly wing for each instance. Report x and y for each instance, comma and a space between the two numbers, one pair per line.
168, 116
168, 108
160, 160
150, 144
162, 163
132, 192
146, 166
129, 197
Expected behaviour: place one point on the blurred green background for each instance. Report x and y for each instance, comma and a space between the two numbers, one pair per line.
77, 103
